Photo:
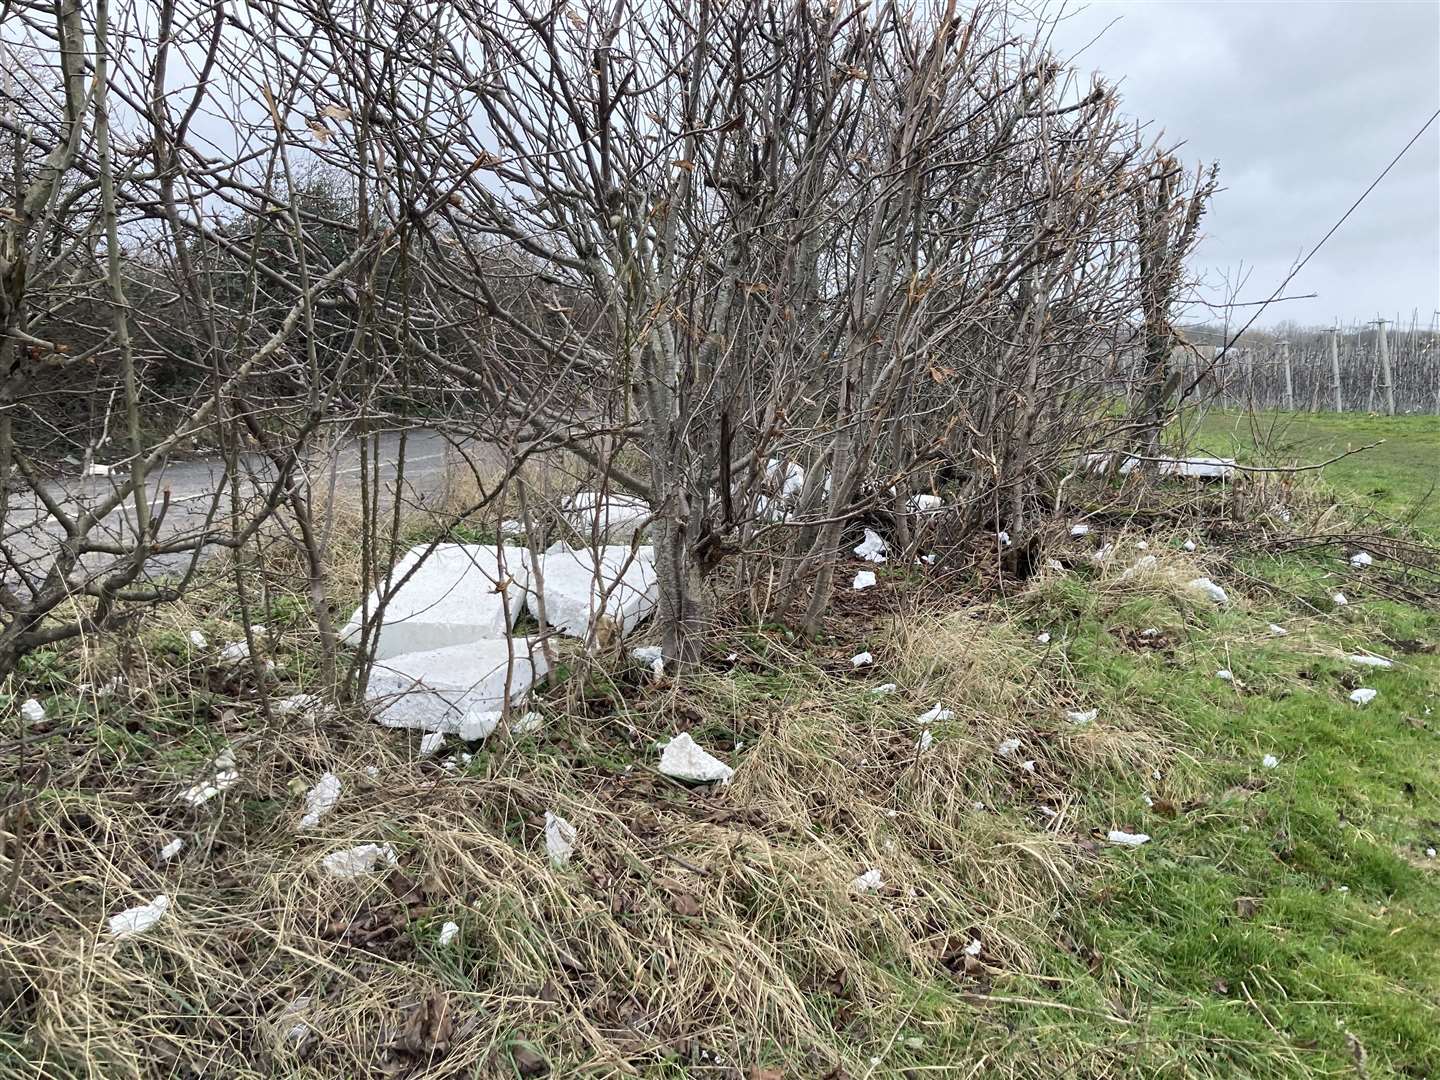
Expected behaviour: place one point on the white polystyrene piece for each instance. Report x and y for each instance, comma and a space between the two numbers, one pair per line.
527, 724
434, 690
869, 881
432, 743
938, 714
320, 800
925, 741
1143, 565
1203, 468
1043, 639
1128, 839
1339, 599
559, 840
456, 594
863, 580
1150, 632
447, 934
1225, 675
235, 652
1365, 660
137, 920
1277, 630
621, 587
1270, 761
359, 860
683, 759
925, 503
872, 548
298, 703
861, 659
1210, 589
1361, 559
606, 518
1008, 748
1081, 717
653, 656
32, 711
198, 639
223, 778
884, 689
1079, 530
1364, 695
173, 848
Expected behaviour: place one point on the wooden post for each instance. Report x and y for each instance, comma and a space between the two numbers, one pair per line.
1385, 380
1334, 332
1289, 377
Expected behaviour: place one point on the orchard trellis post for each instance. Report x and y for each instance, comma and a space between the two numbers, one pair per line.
1387, 382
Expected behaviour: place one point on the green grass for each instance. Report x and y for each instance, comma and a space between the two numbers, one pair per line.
1399, 478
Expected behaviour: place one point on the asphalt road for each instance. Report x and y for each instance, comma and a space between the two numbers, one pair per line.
32, 532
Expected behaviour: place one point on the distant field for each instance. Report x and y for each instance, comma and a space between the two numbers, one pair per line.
1400, 478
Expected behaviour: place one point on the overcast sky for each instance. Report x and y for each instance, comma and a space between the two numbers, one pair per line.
1302, 103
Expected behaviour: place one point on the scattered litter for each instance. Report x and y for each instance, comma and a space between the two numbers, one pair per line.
1155, 774
862, 659
478, 723
1143, 565
1079, 530
1150, 632
1343, 888
447, 934
1430, 853
1365, 660
872, 548
235, 652
226, 776
1339, 599
359, 860
1099, 557
432, 743
1042, 639
730, 658
1363, 696
925, 502
884, 689
527, 724
870, 881
1189, 545
559, 840
300, 703
1128, 839
1082, 717
198, 639
1028, 766
654, 655
97, 469
1142, 545
864, 579
1270, 761
1148, 801
173, 848
925, 741
1278, 631
1003, 537
1361, 558
1048, 811
928, 560
372, 771
683, 759
974, 948
1009, 748
1225, 675
935, 715
32, 711
320, 800
137, 920
1210, 589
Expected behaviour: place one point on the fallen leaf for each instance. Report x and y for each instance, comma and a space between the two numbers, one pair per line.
684, 903
335, 112
529, 1061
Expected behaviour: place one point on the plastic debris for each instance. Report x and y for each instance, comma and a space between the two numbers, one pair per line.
1430, 853
1117, 836
872, 548
1364, 695
1079, 530
1042, 639
884, 689
527, 724
1365, 660
1210, 589
863, 580
1099, 557
974, 948
1225, 675
862, 659
654, 655
299, 703
559, 840
1278, 631
97, 469
1003, 538
32, 711
1361, 558
359, 860
1270, 761
226, 776
1082, 717
173, 848
1028, 766
869, 881
928, 560
935, 715
447, 934
137, 920
1143, 565
1008, 748
1150, 632
235, 652
1054, 564
1189, 545
198, 639
432, 743
320, 800
477, 724
683, 759
1142, 545
925, 502
925, 741
1339, 599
